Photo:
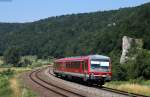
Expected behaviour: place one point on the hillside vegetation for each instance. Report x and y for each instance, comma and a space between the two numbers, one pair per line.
78, 34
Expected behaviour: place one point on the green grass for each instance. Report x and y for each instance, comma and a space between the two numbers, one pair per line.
147, 83
5, 90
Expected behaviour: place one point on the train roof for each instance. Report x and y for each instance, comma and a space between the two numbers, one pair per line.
98, 57
81, 58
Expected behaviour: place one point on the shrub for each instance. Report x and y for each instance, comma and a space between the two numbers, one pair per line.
5, 90
119, 73
12, 56
140, 67
7, 72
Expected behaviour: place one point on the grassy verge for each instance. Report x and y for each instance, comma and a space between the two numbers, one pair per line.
5, 90
11, 85
140, 87
24, 91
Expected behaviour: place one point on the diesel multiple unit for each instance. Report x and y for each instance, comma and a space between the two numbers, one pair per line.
91, 68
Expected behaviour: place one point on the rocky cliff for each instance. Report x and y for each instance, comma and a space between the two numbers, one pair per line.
130, 47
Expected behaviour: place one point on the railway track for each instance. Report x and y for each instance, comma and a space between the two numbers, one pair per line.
123, 92
112, 90
34, 76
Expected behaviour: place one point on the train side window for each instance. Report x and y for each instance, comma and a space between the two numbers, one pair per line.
67, 65
56, 65
83, 65
75, 65
64, 64
78, 64
71, 65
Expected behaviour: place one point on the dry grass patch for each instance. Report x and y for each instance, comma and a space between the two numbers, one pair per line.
1, 62
15, 87
130, 87
135, 88
21, 69
16, 69
2, 69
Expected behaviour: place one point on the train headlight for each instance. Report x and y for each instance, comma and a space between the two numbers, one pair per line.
108, 77
92, 75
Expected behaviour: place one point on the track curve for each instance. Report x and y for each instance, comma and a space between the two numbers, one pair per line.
51, 87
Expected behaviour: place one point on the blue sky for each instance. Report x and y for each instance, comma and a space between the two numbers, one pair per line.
32, 10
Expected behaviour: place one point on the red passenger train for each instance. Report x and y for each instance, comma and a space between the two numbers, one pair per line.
91, 68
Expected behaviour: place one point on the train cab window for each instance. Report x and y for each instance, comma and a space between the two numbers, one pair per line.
100, 65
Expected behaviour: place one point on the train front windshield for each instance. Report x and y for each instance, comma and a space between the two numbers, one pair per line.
100, 65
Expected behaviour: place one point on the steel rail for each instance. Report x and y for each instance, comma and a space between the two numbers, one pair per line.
31, 77
50, 84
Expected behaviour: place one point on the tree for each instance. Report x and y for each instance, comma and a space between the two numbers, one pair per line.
140, 67
12, 56
119, 73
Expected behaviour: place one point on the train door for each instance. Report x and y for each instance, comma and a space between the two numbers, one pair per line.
84, 66
63, 66
82, 69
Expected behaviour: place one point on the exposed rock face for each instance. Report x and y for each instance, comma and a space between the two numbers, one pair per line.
130, 47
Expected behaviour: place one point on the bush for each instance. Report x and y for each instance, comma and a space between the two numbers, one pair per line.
24, 63
12, 56
119, 73
5, 90
28, 62
140, 67
7, 72
136, 81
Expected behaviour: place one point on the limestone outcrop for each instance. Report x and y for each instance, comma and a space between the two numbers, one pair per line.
130, 47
